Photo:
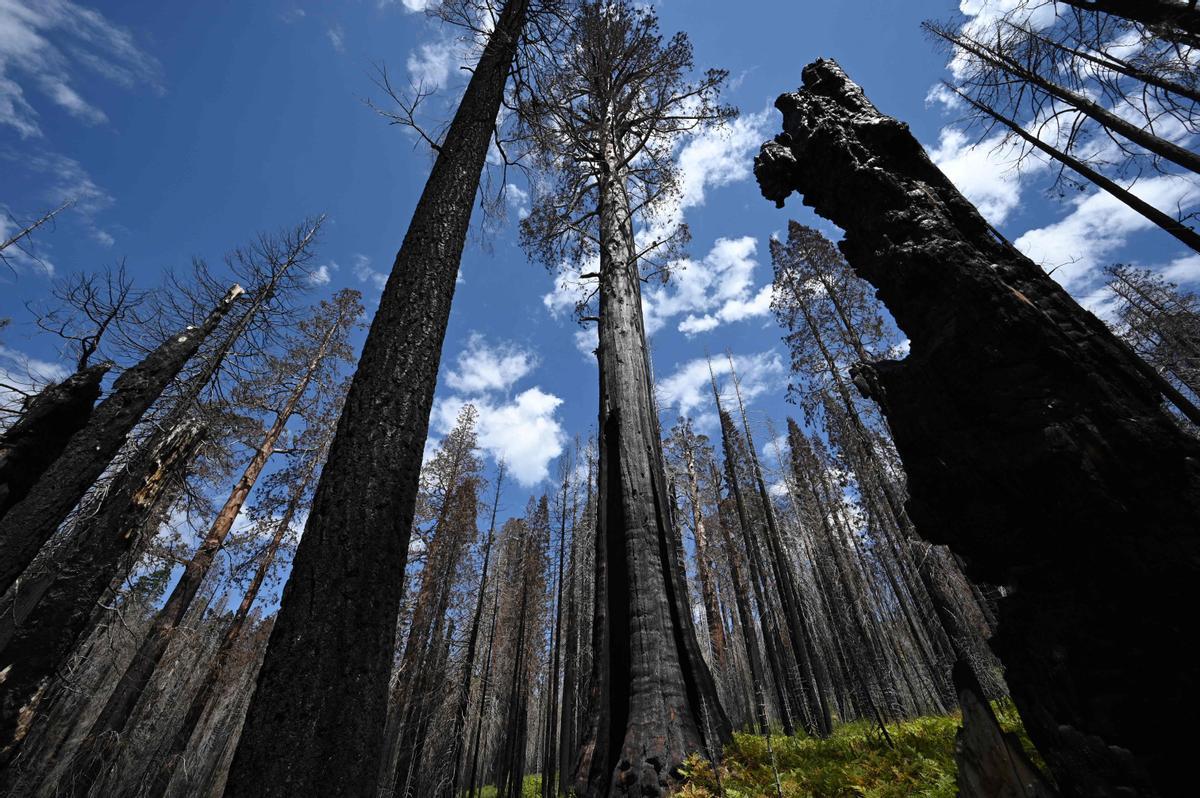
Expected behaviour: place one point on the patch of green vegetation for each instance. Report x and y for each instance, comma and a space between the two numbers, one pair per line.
855, 762
531, 788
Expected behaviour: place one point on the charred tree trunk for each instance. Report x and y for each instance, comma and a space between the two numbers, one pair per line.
652, 681
41, 623
463, 699
1172, 19
29, 524
218, 671
708, 588
1035, 443
35, 441
325, 676
116, 713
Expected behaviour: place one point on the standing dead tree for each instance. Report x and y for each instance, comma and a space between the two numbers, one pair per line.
1035, 443
325, 676
603, 114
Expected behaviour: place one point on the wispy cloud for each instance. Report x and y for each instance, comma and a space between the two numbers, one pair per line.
42, 47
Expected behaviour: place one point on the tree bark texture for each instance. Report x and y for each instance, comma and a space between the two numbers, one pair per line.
325, 676
1172, 19
28, 525
657, 701
1035, 445
35, 441
41, 623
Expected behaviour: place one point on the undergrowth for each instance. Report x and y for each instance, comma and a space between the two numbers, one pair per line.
855, 762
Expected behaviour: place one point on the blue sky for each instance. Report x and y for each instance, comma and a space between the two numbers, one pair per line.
185, 128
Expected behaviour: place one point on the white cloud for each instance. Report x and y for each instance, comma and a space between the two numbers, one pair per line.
26, 374
365, 274
587, 341
1183, 271
986, 172
65, 179
429, 67
337, 37
688, 389
524, 430
1099, 225
42, 44
322, 274
720, 155
482, 367
718, 289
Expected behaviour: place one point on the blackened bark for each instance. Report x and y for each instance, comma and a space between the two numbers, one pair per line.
654, 687
325, 676
40, 435
42, 622
1171, 19
220, 668
1035, 445
28, 525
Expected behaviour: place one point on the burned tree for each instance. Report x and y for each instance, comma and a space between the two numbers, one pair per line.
325, 677
1035, 443
603, 115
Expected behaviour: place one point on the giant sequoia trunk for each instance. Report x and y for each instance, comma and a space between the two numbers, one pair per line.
32, 522
325, 676
41, 623
656, 700
1035, 444
35, 441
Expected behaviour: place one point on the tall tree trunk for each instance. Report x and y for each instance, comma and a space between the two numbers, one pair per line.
325, 676
653, 684
32, 522
550, 757
39, 436
1034, 443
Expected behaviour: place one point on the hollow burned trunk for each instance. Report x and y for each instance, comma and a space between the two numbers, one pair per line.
656, 701
1035, 444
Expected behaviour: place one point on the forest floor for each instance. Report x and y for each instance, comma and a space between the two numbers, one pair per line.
855, 762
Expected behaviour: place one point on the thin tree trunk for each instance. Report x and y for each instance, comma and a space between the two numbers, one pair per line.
1150, 142
325, 676
218, 670
31, 523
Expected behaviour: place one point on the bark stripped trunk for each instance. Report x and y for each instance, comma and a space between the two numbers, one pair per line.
35, 441
28, 525
325, 676
550, 754
1036, 445
40, 624
654, 688
708, 587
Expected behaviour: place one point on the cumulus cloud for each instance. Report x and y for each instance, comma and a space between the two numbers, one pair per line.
323, 274
985, 171
688, 391
43, 44
718, 289
720, 155
1098, 226
483, 367
523, 430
